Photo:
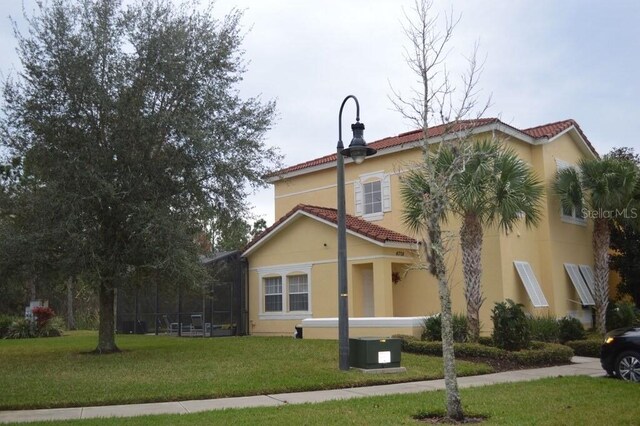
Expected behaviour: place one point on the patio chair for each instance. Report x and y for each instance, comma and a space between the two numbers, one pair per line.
198, 327
171, 327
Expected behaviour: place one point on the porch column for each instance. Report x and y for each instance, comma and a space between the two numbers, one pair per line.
382, 288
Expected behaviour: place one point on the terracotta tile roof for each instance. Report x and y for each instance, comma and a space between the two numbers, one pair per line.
401, 139
545, 131
553, 129
354, 224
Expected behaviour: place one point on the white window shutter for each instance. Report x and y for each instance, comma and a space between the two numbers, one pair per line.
357, 187
386, 193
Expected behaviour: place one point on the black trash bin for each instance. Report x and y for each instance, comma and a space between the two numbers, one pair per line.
375, 352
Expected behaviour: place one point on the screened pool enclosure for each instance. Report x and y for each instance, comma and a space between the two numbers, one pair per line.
217, 307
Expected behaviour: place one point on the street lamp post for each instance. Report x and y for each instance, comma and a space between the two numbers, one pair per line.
357, 150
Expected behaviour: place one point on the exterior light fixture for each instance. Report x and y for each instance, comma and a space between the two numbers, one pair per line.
358, 151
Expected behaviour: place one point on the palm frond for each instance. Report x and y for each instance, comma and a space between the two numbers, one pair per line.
568, 186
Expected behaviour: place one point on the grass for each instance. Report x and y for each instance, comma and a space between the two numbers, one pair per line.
58, 372
558, 401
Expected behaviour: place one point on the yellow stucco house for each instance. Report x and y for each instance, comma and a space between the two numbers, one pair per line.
292, 266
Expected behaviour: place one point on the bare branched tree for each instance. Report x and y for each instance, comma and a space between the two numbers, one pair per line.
447, 115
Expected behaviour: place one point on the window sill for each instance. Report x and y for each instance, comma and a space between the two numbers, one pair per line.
573, 220
284, 315
372, 217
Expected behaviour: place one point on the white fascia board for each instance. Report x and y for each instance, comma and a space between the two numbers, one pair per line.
272, 233
296, 215
575, 134
515, 133
390, 244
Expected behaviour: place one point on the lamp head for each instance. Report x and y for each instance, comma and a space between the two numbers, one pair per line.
358, 148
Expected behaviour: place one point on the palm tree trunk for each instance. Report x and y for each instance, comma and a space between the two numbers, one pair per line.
471, 241
601, 237
438, 268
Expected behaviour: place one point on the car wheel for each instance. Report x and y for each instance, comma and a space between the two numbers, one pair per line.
628, 366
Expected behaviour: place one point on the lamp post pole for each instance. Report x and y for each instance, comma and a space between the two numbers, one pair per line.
357, 150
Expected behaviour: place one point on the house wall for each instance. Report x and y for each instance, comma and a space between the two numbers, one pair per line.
546, 247
307, 244
567, 242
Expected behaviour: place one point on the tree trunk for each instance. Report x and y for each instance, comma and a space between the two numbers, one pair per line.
106, 327
471, 241
438, 268
601, 237
71, 322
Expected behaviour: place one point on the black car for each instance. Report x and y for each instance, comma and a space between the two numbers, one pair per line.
620, 353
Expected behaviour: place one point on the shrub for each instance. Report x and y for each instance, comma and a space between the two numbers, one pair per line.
52, 328
432, 328
571, 329
620, 314
5, 323
21, 328
510, 326
589, 347
539, 354
42, 315
545, 329
484, 340
542, 354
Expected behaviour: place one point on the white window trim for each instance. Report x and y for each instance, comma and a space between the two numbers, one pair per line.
284, 271
385, 190
289, 292
530, 283
579, 283
573, 218
264, 294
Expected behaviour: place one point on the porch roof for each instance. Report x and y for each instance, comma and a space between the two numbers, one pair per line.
354, 225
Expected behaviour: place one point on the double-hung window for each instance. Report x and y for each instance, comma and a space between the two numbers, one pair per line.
372, 197
570, 214
273, 294
298, 293
285, 292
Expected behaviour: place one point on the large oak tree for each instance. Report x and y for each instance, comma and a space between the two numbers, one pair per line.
132, 136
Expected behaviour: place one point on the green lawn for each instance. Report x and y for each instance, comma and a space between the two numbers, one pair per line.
558, 401
57, 372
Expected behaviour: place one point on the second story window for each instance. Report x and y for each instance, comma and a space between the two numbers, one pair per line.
570, 214
373, 195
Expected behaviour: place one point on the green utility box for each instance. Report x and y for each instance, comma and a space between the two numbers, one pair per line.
374, 352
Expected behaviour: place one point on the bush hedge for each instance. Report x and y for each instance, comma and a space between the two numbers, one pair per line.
571, 329
545, 329
511, 330
539, 353
432, 328
589, 347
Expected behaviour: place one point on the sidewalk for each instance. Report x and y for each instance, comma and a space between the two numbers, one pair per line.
581, 366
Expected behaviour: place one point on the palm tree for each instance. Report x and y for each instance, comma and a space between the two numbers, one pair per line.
600, 189
495, 188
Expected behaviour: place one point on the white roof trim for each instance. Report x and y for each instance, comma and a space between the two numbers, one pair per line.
299, 213
531, 285
575, 134
579, 283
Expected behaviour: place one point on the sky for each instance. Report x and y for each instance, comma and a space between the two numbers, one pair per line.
544, 61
